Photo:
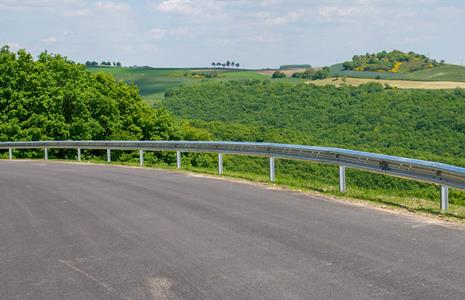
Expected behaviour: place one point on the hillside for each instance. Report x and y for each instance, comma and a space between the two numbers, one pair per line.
394, 62
369, 117
154, 82
441, 73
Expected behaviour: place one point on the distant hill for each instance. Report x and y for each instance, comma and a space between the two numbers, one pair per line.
296, 66
394, 62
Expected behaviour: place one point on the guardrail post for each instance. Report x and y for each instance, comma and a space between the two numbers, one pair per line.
10, 153
178, 159
108, 155
444, 198
79, 154
141, 158
272, 170
46, 153
342, 179
220, 163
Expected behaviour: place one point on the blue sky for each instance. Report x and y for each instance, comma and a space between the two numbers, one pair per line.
257, 33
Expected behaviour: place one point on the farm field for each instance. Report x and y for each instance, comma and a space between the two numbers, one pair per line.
441, 73
154, 82
401, 84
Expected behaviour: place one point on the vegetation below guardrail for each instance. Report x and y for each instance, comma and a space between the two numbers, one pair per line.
369, 118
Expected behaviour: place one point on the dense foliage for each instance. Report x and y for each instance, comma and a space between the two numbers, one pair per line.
52, 98
394, 61
311, 74
278, 74
424, 124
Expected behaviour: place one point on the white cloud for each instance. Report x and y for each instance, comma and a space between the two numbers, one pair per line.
178, 6
291, 17
338, 11
22, 5
114, 7
49, 40
159, 33
85, 12
198, 8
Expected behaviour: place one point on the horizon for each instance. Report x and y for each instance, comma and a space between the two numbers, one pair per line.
257, 34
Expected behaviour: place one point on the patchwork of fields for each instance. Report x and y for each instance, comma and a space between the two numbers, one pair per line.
401, 84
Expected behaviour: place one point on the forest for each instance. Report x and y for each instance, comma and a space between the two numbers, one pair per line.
423, 124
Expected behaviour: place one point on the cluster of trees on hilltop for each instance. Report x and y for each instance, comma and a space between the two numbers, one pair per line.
312, 74
227, 64
309, 73
52, 98
103, 63
393, 61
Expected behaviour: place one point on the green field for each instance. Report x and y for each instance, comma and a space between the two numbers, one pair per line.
441, 73
153, 83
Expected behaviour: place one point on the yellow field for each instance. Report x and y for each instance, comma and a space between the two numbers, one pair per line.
401, 84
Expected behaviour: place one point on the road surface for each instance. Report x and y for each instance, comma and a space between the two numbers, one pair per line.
81, 231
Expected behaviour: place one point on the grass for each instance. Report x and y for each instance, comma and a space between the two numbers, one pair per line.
392, 199
153, 83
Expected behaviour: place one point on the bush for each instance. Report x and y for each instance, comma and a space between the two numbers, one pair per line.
278, 74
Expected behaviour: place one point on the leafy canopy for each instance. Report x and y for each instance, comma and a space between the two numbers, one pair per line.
53, 98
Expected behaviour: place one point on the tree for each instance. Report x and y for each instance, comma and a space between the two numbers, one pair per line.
238, 65
118, 64
213, 64
278, 74
228, 63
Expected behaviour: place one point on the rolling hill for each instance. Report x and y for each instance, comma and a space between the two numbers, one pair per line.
441, 73
154, 82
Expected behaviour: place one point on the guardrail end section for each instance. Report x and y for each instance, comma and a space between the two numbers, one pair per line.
220, 163
342, 179
444, 198
178, 159
272, 169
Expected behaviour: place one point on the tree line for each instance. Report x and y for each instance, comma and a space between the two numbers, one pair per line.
227, 64
103, 63
309, 74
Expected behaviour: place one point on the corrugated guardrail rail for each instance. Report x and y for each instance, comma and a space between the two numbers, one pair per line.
442, 174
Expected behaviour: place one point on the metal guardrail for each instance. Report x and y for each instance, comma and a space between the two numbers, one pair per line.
442, 174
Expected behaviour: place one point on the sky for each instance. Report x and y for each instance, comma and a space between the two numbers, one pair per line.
256, 33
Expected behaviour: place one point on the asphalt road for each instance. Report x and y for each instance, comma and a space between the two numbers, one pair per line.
70, 231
